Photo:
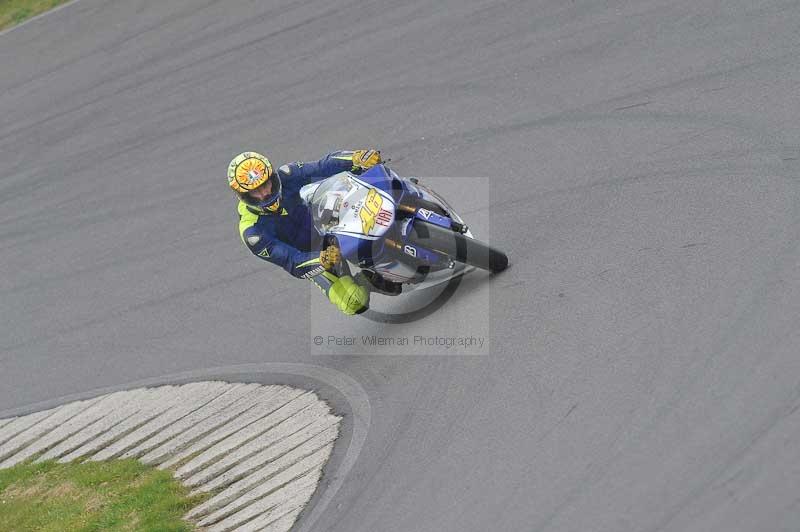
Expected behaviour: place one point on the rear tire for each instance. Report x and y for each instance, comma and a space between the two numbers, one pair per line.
459, 247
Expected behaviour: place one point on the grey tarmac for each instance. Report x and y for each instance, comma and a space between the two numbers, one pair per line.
641, 165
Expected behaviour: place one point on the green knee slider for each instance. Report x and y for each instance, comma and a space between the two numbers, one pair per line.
349, 296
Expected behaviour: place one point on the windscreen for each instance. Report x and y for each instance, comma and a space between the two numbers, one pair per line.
327, 200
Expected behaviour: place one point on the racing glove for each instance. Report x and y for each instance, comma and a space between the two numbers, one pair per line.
330, 257
364, 159
349, 296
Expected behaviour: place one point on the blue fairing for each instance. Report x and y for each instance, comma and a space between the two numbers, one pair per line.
367, 252
361, 251
375, 174
381, 177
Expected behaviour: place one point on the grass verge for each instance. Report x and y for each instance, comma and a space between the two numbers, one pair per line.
119, 495
12, 12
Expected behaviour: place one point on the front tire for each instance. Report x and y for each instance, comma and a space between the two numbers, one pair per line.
458, 246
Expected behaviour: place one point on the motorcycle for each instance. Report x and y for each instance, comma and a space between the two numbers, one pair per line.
397, 231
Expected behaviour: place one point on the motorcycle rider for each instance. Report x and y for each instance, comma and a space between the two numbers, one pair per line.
276, 225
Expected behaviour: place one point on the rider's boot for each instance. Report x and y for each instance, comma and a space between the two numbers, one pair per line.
377, 283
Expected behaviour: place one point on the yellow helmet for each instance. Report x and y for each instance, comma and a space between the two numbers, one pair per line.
249, 171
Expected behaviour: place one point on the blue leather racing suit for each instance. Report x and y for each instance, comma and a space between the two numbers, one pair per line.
287, 237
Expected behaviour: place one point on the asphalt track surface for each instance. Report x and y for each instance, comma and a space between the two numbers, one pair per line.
641, 160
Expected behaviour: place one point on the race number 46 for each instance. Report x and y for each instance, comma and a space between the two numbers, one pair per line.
369, 211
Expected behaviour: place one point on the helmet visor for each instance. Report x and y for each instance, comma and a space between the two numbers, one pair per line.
265, 197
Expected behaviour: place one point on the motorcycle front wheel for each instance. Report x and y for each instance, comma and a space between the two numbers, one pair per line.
457, 246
